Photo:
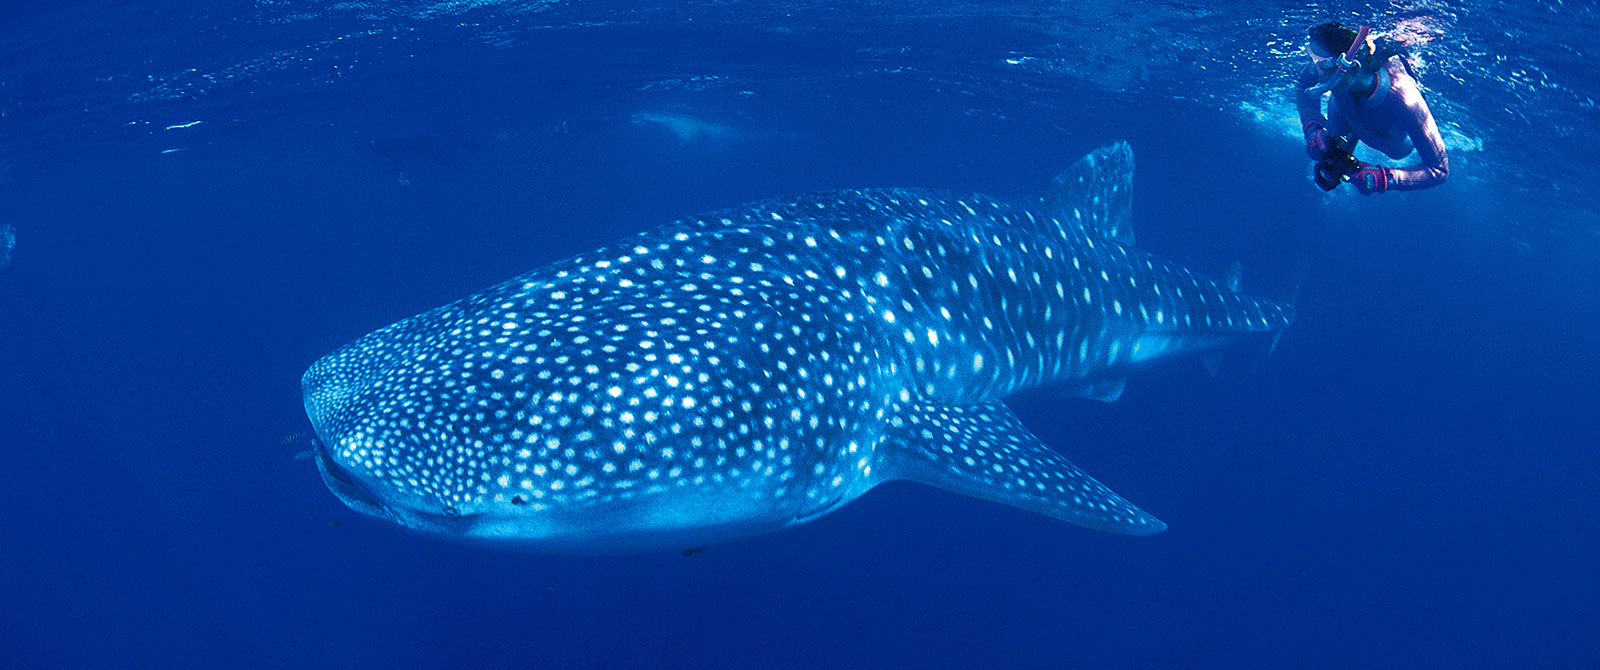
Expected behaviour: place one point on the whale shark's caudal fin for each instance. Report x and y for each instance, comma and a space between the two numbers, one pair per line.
1096, 194
985, 452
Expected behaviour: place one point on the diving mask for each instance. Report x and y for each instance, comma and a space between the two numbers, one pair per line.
1338, 71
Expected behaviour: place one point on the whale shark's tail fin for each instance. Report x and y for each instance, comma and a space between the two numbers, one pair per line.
985, 452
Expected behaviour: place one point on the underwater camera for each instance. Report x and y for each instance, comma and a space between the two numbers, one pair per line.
1336, 164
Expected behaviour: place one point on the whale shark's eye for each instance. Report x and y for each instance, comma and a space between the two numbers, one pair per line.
518, 500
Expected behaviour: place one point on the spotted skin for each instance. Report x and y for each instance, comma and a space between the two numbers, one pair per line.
749, 369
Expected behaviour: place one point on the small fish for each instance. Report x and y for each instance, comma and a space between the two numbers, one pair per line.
8, 243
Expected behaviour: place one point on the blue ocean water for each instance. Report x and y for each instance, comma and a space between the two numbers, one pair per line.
199, 199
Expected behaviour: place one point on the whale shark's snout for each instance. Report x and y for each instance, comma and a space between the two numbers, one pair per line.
366, 445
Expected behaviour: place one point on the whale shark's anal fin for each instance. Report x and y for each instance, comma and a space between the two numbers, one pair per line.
985, 452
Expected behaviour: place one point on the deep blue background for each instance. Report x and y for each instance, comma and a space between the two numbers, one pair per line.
1410, 480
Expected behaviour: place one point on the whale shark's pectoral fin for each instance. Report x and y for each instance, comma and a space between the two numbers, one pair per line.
985, 452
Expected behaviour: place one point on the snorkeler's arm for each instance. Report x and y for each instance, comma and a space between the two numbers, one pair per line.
1312, 125
1434, 166
1309, 106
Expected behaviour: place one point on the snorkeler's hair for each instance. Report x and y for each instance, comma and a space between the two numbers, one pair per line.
1335, 38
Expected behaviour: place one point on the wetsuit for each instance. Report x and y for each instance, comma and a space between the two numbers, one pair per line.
1391, 118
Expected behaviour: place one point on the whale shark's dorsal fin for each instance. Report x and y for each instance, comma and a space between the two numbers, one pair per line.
984, 451
1095, 194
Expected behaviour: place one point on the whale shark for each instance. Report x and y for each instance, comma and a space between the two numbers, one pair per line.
744, 370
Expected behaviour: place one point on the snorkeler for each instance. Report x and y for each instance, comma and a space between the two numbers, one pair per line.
1374, 100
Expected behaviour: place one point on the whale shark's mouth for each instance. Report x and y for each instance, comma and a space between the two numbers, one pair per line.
347, 487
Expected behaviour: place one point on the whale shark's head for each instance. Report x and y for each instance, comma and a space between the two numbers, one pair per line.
574, 419
414, 432
378, 449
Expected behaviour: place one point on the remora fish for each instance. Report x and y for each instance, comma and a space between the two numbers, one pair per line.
749, 369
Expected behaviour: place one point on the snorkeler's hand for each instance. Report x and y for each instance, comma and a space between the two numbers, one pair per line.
1316, 140
1370, 178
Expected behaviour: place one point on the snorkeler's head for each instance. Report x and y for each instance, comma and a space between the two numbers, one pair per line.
1339, 54
1332, 39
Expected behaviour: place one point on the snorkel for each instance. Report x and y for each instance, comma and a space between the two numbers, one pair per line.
1348, 63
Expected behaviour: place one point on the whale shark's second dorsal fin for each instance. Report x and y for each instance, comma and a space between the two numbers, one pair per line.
1095, 194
